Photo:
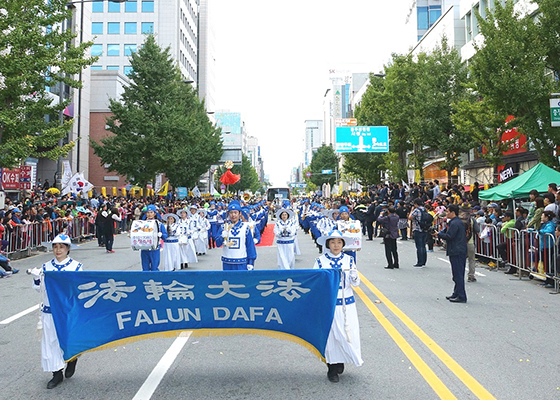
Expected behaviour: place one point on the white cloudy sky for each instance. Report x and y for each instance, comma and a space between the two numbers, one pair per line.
273, 60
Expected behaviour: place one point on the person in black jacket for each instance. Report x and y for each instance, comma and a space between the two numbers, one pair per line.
370, 218
109, 229
456, 238
390, 220
99, 225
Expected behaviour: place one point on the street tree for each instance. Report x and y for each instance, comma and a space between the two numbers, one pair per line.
510, 71
37, 56
367, 168
323, 159
310, 186
476, 120
548, 25
441, 82
159, 125
387, 102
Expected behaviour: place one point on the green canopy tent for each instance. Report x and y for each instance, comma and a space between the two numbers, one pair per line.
536, 178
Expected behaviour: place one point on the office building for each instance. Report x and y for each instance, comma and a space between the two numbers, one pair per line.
119, 29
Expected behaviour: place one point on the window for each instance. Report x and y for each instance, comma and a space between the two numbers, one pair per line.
131, 6
127, 69
113, 50
97, 7
423, 22
147, 6
435, 13
113, 28
97, 28
130, 28
147, 27
96, 49
114, 7
96, 67
129, 49
112, 67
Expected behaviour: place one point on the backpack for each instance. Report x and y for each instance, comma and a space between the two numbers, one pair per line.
426, 220
475, 225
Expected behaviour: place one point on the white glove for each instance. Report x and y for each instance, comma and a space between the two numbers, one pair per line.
250, 267
256, 241
354, 274
224, 234
159, 234
104, 213
35, 273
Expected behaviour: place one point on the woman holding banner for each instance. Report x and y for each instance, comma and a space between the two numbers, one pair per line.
343, 343
52, 358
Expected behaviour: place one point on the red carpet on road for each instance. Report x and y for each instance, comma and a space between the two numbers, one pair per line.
267, 238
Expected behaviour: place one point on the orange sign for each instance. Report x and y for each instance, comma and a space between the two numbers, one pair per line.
345, 122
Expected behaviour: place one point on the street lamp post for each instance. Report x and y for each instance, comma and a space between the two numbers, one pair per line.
79, 119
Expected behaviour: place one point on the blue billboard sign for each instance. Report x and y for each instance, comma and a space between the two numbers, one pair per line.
362, 139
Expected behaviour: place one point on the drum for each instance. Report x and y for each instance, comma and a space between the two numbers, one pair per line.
144, 235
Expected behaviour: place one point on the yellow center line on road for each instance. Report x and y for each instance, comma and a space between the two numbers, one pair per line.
472, 384
431, 378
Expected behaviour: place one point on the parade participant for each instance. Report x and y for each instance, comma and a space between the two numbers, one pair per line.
52, 357
349, 227
203, 229
212, 218
285, 232
239, 252
171, 258
186, 242
150, 258
111, 217
253, 225
343, 343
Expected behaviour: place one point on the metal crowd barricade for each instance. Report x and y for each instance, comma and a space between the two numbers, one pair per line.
529, 250
486, 242
513, 250
28, 237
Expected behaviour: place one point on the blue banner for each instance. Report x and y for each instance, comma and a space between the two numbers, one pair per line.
95, 310
182, 192
362, 139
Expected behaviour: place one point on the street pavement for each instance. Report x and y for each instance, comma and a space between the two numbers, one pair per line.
415, 344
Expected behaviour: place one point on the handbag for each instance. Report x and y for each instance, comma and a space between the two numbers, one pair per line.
383, 232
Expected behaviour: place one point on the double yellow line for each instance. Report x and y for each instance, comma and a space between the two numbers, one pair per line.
431, 378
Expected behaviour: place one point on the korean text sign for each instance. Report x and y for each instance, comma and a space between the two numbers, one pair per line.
362, 139
94, 309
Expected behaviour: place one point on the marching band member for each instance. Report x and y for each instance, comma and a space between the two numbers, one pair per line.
246, 217
343, 343
186, 242
213, 219
239, 252
285, 232
349, 227
150, 258
52, 358
171, 249
203, 229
